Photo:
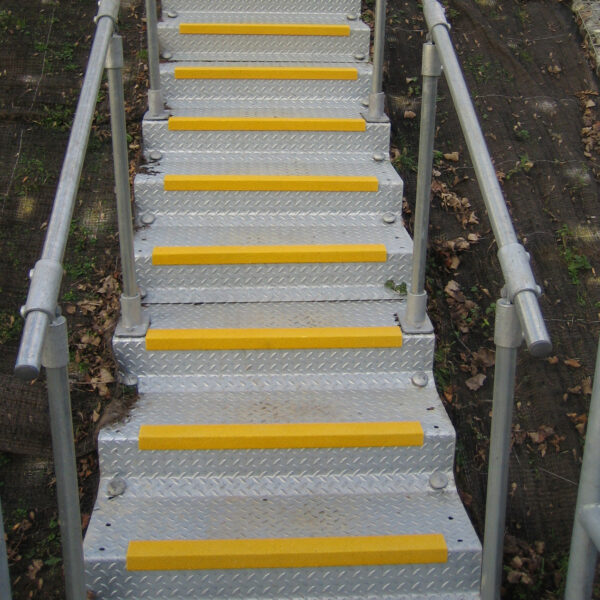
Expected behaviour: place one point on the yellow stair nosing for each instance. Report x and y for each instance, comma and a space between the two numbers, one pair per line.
280, 435
238, 255
246, 72
266, 553
297, 29
264, 183
300, 338
265, 124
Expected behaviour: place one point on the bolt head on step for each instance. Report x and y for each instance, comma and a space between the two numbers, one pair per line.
148, 218
351, 17
116, 487
167, 55
419, 379
155, 155
438, 481
359, 56
172, 14
379, 156
389, 218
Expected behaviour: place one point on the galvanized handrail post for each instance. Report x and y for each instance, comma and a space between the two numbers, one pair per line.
55, 358
156, 103
416, 304
133, 322
5, 592
584, 554
508, 337
376, 114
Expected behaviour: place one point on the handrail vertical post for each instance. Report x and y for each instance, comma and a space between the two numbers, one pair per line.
508, 337
132, 322
416, 305
4, 573
583, 554
55, 357
375, 113
156, 104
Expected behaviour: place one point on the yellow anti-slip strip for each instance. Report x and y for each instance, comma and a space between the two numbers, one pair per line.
265, 29
274, 339
270, 183
245, 255
346, 73
280, 435
264, 124
278, 553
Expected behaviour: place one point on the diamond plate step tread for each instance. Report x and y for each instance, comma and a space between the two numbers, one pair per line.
183, 46
158, 136
329, 280
151, 196
276, 6
119, 452
186, 92
415, 354
134, 518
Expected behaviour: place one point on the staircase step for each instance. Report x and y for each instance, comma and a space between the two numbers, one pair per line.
185, 84
250, 263
283, 401
263, 37
151, 196
244, 524
280, 435
307, 7
391, 353
291, 130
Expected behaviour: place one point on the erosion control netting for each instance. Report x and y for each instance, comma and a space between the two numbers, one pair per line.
536, 94
44, 46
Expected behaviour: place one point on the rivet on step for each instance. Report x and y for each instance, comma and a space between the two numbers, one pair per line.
155, 155
143, 292
419, 379
389, 218
167, 55
172, 14
116, 487
359, 56
379, 156
351, 17
365, 102
148, 218
438, 480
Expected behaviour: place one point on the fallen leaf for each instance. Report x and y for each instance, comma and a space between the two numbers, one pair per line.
475, 382
571, 362
452, 156
553, 360
409, 114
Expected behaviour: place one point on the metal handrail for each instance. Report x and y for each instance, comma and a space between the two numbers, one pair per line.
518, 313
45, 340
46, 277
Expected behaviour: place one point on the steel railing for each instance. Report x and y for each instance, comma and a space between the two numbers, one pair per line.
585, 540
518, 314
44, 340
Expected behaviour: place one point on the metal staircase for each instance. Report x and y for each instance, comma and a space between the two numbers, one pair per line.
288, 441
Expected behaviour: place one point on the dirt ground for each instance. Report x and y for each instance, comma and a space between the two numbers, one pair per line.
536, 95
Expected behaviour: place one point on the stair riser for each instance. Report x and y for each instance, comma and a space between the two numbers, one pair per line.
332, 582
157, 136
197, 283
151, 197
187, 93
123, 457
416, 354
263, 47
277, 6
